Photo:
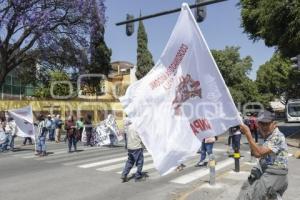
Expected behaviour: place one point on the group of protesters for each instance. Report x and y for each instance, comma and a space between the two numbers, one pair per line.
74, 129
51, 127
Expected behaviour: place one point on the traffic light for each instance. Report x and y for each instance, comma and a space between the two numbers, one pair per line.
200, 12
296, 62
129, 26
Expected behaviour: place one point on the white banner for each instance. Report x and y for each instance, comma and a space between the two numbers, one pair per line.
112, 124
24, 121
182, 100
106, 131
102, 134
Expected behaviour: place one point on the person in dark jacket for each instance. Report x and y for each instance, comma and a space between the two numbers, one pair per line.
70, 127
88, 129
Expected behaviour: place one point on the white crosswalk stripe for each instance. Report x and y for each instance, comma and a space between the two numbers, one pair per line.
120, 165
95, 164
113, 160
201, 173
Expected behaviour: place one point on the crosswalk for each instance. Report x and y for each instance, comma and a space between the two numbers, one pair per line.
112, 160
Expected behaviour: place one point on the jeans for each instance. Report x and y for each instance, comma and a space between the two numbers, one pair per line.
12, 142
72, 141
134, 157
51, 134
236, 141
206, 148
4, 145
41, 146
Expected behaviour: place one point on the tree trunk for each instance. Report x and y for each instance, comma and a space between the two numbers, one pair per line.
3, 73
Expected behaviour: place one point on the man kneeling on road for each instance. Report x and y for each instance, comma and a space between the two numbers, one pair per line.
135, 154
269, 178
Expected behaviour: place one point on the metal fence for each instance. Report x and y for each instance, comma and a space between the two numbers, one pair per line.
13, 88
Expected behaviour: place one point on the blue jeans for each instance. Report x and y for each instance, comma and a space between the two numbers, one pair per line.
4, 145
236, 141
134, 157
51, 134
206, 148
12, 142
72, 141
41, 147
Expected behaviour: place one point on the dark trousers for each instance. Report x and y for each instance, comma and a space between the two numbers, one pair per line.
236, 141
72, 141
89, 138
25, 140
134, 157
255, 134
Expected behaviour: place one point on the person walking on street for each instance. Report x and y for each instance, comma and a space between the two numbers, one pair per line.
88, 129
70, 126
236, 138
4, 137
58, 127
269, 178
229, 143
12, 129
79, 127
50, 127
206, 147
41, 137
135, 155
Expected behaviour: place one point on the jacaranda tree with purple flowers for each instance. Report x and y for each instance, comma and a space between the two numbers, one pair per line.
26, 25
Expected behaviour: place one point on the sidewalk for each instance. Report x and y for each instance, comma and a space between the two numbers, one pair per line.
228, 183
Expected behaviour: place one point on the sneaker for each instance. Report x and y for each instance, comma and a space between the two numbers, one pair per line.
124, 179
201, 164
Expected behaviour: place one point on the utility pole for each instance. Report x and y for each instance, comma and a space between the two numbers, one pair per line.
200, 14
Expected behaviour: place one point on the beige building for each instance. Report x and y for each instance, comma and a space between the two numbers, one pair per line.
99, 106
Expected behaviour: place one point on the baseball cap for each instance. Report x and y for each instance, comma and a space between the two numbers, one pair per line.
266, 116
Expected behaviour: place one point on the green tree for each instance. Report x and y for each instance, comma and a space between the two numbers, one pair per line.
293, 90
273, 76
276, 22
144, 57
234, 70
58, 89
100, 53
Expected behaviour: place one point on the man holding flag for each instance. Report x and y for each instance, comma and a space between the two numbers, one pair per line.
182, 100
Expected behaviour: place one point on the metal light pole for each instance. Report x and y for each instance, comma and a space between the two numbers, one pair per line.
169, 12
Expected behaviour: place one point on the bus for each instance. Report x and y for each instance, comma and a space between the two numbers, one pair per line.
293, 110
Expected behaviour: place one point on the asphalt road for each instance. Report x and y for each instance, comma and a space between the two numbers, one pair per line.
94, 173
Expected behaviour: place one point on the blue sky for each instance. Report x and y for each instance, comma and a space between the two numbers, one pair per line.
220, 28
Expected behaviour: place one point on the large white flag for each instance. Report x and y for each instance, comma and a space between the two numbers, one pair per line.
24, 121
182, 100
